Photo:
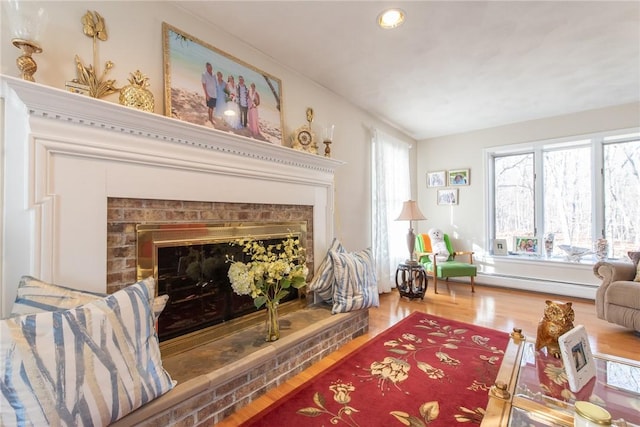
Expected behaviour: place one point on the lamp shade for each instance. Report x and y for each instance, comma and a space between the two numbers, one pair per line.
410, 212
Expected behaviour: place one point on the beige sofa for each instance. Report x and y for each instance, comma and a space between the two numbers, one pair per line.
618, 297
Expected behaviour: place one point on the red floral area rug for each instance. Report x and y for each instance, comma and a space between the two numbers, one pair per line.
425, 370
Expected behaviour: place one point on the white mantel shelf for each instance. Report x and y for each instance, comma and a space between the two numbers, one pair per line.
52, 103
65, 155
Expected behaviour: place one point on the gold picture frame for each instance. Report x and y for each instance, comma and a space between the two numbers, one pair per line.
185, 60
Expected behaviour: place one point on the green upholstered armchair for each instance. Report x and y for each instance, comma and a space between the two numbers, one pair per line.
444, 269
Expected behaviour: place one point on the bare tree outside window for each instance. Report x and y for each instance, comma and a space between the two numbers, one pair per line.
567, 196
622, 196
572, 210
514, 196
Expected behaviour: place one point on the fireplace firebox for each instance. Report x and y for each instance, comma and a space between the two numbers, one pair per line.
189, 263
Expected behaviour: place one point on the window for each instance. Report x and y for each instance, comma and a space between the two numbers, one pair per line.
567, 195
621, 170
572, 192
514, 196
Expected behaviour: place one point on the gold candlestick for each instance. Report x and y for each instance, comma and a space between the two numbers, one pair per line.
327, 136
26, 64
327, 148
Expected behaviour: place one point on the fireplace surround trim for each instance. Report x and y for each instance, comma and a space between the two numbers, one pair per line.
71, 153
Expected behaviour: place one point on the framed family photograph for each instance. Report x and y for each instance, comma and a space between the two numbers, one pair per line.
448, 197
436, 179
459, 177
206, 86
577, 357
526, 245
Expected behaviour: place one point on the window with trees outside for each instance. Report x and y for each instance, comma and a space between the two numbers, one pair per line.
572, 192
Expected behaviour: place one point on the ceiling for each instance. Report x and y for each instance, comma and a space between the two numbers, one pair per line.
453, 66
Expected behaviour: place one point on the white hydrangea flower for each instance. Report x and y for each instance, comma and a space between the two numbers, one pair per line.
269, 265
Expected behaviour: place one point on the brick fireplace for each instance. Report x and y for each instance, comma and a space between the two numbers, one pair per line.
77, 169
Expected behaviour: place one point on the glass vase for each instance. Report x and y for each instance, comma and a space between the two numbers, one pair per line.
602, 249
273, 323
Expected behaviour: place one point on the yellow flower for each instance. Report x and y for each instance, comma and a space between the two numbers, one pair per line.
271, 272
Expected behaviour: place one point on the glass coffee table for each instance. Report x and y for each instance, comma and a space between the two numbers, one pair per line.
532, 390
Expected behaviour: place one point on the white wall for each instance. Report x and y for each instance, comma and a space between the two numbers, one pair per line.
135, 42
467, 221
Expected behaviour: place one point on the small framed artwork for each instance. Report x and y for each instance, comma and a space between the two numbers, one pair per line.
459, 177
526, 245
577, 357
500, 247
448, 197
436, 179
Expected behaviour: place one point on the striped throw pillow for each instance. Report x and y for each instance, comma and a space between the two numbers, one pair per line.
88, 366
322, 282
356, 284
36, 296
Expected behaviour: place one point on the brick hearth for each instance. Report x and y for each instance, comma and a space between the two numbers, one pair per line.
234, 371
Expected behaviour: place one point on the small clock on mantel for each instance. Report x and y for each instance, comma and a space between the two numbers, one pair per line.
303, 138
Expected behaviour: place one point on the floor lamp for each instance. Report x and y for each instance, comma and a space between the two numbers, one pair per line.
411, 212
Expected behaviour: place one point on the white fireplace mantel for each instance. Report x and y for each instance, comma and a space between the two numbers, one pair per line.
65, 154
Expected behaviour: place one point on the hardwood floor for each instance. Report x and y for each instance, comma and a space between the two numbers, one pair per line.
496, 308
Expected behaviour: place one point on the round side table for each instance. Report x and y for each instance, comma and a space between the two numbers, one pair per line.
411, 280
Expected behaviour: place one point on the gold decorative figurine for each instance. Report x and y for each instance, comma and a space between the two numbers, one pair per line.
136, 94
303, 138
557, 319
93, 26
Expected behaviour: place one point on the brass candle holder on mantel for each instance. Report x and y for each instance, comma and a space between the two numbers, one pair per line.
27, 21
26, 64
328, 139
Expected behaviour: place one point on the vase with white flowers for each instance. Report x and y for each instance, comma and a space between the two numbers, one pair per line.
268, 275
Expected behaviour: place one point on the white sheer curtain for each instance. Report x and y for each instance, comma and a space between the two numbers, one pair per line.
390, 187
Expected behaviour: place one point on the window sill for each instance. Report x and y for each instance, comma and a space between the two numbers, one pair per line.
560, 259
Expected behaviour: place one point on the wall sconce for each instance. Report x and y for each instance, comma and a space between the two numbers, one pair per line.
327, 139
411, 212
27, 21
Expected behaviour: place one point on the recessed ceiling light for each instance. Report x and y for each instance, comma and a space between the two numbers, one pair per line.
391, 18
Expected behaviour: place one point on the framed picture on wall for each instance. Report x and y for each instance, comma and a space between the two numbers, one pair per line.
248, 101
436, 179
459, 177
448, 196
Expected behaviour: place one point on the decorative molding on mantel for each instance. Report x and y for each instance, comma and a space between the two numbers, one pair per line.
56, 104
